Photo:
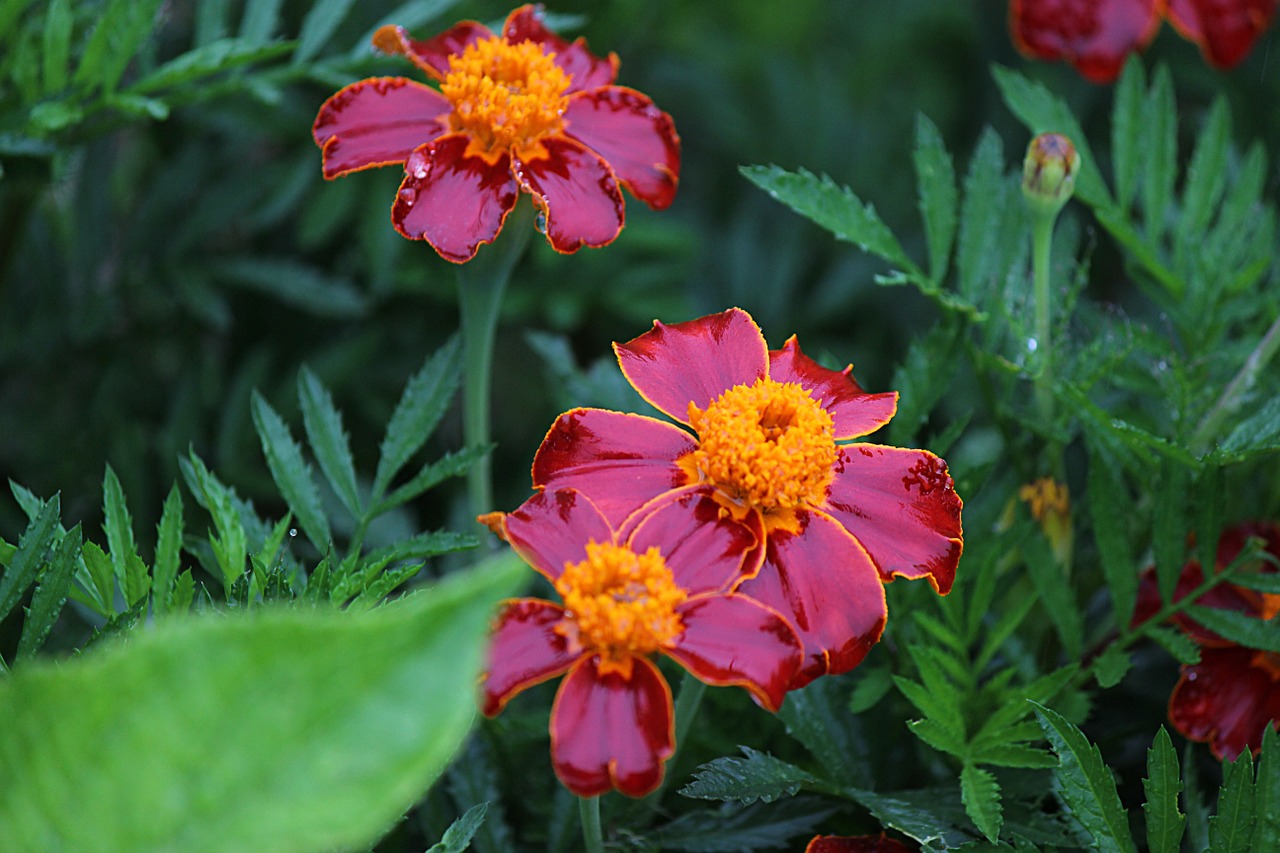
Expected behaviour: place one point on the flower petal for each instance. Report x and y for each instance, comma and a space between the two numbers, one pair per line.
585, 70
854, 411
376, 122
1225, 30
524, 650
694, 362
902, 506
706, 550
856, 844
735, 640
553, 527
431, 55
1226, 700
637, 140
453, 200
577, 191
619, 461
1096, 36
822, 580
608, 731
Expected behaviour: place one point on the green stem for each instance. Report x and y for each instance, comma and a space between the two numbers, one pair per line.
481, 284
589, 812
1240, 385
1041, 246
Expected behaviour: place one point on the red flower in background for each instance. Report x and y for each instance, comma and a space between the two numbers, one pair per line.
856, 844
525, 111
660, 583
1096, 36
838, 520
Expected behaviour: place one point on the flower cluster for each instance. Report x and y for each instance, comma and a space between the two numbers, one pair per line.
1096, 36
750, 541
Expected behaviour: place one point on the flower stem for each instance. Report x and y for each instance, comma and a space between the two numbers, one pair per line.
1240, 385
481, 284
589, 812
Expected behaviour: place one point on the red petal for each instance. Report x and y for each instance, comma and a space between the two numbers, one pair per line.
431, 55
1096, 36
376, 122
735, 640
855, 412
694, 362
619, 461
901, 505
1226, 700
826, 585
706, 550
452, 200
524, 650
608, 731
553, 527
585, 70
1225, 30
638, 140
578, 194
856, 844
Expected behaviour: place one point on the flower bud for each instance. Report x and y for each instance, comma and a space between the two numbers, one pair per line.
1049, 173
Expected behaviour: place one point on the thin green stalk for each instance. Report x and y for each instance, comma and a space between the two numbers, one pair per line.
589, 812
1240, 385
481, 284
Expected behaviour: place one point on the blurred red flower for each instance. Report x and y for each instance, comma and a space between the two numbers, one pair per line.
525, 111
856, 844
838, 519
661, 583
1096, 36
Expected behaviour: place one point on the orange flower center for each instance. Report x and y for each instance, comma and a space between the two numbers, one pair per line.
768, 446
619, 604
505, 95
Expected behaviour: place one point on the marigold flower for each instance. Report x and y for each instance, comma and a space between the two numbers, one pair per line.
838, 519
524, 111
661, 583
856, 844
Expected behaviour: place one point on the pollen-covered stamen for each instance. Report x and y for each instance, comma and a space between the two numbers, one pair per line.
505, 95
620, 604
768, 446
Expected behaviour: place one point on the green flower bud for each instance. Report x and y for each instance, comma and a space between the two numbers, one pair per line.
1049, 173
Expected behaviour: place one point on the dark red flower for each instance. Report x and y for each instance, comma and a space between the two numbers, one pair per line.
838, 519
661, 583
525, 111
856, 844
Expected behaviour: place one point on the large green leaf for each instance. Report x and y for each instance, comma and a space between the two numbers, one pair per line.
1165, 824
277, 729
756, 776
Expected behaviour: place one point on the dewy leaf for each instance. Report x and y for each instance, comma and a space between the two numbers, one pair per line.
120, 543
1085, 784
1126, 130
329, 442
1238, 627
1231, 829
291, 473
981, 795
1266, 789
50, 595
833, 207
422, 405
1165, 824
929, 815
291, 729
757, 776
936, 176
168, 551
459, 834
30, 556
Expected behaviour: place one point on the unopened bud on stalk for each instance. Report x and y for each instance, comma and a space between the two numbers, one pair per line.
1049, 173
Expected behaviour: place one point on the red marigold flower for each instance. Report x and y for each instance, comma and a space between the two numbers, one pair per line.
525, 111
856, 844
661, 583
1225, 30
839, 519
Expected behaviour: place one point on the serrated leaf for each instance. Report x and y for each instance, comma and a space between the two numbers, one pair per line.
755, 777
317, 28
1206, 173
941, 708
1266, 789
295, 284
101, 575
1085, 784
459, 834
1231, 829
230, 546
33, 547
1165, 824
116, 39
168, 551
1160, 135
432, 543
120, 543
1197, 809
204, 61
1055, 593
932, 816
936, 176
817, 717
1111, 666
50, 595
732, 829
1126, 131
183, 593
352, 718
452, 464
423, 403
981, 796
1109, 505
1258, 432
291, 473
1183, 649
985, 191
328, 439
261, 18
939, 735
1013, 755
55, 44
831, 206
1239, 628
873, 685
474, 778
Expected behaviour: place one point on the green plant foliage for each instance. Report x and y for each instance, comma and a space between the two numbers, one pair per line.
1165, 824
757, 777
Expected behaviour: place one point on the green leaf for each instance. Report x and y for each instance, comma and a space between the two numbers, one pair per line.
206, 60
1259, 432
30, 556
816, 716
50, 595
55, 46
297, 729
98, 566
1197, 810
936, 176
432, 543
1054, 592
1231, 829
261, 18
168, 551
425, 399
291, 473
1085, 784
120, 543
1266, 789
1206, 174
1165, 824
932, 816
1183, 649
981, 795
733, 829
986, 196
1111, 666
1160, 137
452, 464
116, 39
183, 593
1109, 505
831, 206
329, 442
757, 776
474, 778
1127, 131
317, 28
1012, 755
1238, 627
230, 546
295, 284
874, 683
459, 834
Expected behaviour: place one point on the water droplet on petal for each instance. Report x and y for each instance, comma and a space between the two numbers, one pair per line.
420, 173
540, 222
